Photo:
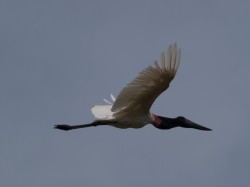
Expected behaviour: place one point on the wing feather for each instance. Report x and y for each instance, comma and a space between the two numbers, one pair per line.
138, 96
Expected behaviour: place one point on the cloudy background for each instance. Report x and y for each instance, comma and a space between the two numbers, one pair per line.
59, 58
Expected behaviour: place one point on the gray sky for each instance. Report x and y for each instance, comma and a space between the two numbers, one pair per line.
59, 58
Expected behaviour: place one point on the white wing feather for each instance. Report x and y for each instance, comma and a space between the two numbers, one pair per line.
138, 96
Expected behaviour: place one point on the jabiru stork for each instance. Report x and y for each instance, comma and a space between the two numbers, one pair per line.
131, 109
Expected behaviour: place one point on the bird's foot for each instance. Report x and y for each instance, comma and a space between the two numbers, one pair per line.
63, 127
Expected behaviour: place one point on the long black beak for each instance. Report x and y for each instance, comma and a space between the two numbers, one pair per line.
189, 124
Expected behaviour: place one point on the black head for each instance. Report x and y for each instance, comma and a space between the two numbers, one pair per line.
168, 123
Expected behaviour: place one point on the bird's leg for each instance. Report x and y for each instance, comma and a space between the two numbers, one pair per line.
71, 127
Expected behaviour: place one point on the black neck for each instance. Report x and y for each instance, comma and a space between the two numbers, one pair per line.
167, 123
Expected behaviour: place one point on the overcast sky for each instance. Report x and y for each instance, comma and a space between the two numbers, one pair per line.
59, 58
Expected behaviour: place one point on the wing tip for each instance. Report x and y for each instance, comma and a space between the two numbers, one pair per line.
173, 57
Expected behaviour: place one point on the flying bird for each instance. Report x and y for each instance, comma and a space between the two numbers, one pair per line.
131, 108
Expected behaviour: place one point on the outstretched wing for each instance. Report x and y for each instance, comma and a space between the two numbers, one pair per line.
138, 96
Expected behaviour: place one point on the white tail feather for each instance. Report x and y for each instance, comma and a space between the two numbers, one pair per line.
112, 97
102, 111
112, 100
106, 101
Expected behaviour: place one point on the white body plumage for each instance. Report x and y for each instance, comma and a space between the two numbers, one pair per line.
104, 113
131, 109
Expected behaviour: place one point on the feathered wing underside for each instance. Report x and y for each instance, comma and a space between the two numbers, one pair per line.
138, 96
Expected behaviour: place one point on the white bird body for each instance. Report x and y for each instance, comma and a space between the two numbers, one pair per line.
104, 113
131, 109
